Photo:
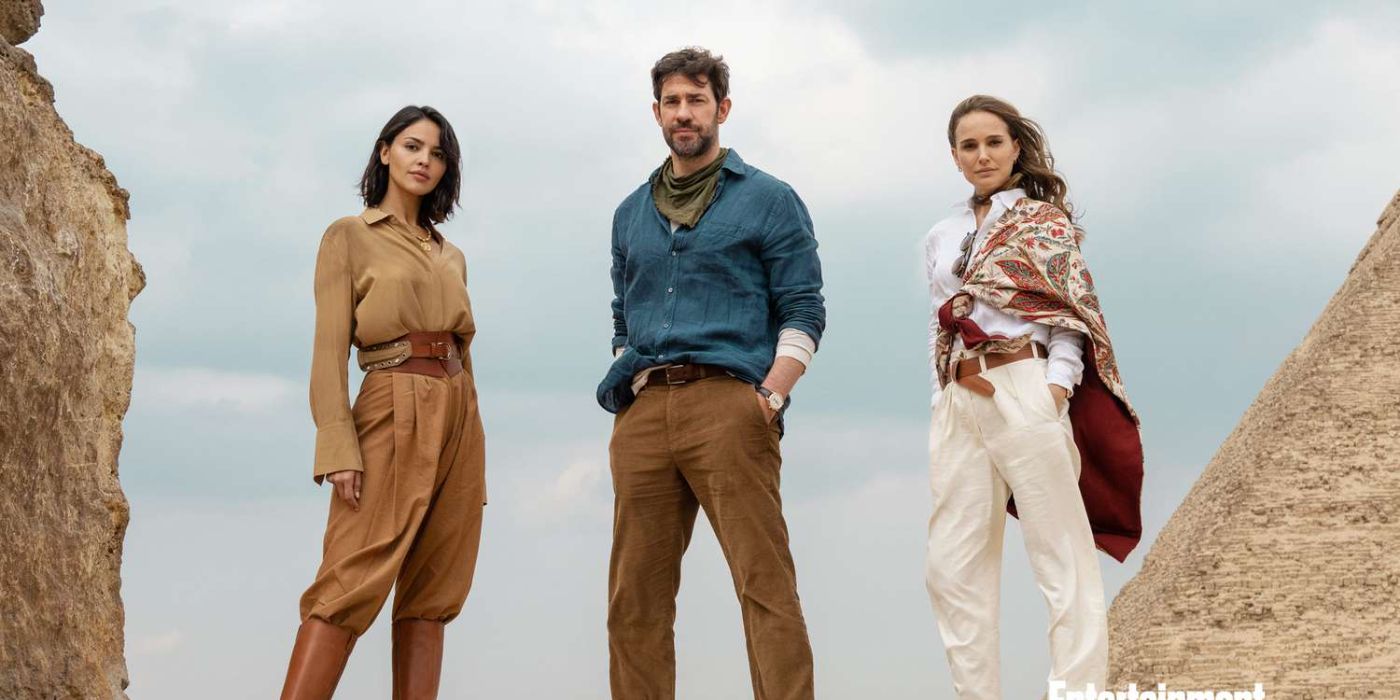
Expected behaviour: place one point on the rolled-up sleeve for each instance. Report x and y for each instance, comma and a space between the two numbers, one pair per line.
793, 268
619, 282
337, 447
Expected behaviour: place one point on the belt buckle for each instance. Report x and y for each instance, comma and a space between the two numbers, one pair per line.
446, 352
669, 380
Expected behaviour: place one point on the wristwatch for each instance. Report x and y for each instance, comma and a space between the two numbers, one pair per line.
777, 402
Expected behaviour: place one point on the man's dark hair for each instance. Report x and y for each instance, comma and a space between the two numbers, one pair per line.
438, 204
695, 63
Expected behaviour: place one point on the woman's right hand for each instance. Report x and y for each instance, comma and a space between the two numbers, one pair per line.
347, 485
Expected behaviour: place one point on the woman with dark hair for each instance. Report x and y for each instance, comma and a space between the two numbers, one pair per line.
1027, 404
407, 462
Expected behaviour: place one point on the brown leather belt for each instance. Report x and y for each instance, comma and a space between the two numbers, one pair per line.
680, 374
432, 353
966, 371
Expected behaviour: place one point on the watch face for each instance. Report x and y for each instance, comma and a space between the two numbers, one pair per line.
775, 402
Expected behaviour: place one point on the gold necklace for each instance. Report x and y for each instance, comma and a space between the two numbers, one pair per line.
425, 243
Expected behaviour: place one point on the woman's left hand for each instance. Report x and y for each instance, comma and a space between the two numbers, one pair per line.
1061, 396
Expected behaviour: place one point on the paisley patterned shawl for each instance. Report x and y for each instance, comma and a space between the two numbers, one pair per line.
1030, 267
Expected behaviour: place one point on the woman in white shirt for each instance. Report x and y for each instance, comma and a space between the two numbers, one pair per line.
1012, 306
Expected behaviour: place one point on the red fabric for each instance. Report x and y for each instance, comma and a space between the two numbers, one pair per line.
972, 334
1110, 450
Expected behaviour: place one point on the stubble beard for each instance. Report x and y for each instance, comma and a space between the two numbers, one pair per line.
694, 147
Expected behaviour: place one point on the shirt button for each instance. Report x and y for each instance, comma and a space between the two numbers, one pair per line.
669, 290
674, 253
665, 325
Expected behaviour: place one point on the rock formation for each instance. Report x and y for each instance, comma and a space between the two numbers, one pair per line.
19, 19
66, 353
1282, 566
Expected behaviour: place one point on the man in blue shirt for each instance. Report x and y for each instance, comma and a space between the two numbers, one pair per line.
716, 314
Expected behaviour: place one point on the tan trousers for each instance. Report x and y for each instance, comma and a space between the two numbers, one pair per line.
707, 445
983, 450
421, 501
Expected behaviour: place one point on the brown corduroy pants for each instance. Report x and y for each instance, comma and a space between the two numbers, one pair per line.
422, 493
705, 444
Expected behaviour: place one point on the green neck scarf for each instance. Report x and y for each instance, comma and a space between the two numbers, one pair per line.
683, 200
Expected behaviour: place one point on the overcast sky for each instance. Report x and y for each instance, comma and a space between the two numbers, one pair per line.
1229, 164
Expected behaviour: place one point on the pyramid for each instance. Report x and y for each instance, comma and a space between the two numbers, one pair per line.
1282, 565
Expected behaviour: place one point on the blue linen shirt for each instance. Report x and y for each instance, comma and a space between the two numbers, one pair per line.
718, 293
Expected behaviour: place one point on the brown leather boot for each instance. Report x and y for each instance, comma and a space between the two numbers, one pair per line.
317, 660
417, 659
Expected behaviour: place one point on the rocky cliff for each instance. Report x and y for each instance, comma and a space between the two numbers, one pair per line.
66, 352
19, 19
1282, 565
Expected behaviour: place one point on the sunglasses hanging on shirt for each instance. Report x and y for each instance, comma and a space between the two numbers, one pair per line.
960, 265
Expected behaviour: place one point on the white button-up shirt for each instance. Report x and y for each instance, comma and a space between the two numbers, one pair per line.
941, 252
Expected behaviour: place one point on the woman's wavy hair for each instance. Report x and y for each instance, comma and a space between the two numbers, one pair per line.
437, 206
1034, 169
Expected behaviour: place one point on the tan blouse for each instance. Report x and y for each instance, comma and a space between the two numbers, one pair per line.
375, 283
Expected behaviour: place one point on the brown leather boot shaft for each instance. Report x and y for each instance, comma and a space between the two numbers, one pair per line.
417, 659
318, 659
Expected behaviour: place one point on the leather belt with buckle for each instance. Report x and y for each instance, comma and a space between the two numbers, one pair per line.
681, 374
432, 353
966, 372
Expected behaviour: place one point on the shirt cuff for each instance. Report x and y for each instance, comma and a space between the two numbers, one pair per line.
797, 345
1062, 378
337, 449
1065, 364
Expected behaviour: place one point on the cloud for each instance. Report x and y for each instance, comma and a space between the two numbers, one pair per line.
159, 644
1282, 147
576, 490
208, 388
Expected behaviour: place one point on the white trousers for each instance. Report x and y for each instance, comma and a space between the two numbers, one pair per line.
983, 450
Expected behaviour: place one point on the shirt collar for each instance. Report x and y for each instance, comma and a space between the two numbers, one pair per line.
1006, 198
732, 162
374, 215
